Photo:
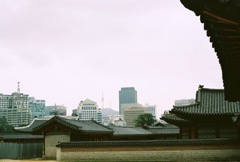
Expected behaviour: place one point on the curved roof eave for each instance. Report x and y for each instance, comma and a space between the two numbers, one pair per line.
221, 20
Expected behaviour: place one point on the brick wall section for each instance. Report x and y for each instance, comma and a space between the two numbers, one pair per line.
152, 155
172, 150
50, 144
148, 148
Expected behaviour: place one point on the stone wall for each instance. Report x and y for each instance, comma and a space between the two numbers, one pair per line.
51, 140
182, 153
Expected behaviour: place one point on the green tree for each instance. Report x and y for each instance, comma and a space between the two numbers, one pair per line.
5, 127
145, 120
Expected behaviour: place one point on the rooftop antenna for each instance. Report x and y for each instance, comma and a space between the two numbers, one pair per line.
102, 101
18, 89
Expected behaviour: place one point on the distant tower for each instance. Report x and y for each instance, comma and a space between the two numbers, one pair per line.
102, 101
18, 89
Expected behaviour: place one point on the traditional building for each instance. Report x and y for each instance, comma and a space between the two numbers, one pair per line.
57, 129
166, 131
210, 116
20, 138
128, 134
71, 139
221, 19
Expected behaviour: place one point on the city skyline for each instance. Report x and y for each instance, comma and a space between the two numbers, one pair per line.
67, 51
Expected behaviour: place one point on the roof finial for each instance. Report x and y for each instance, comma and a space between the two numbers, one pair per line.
18, 89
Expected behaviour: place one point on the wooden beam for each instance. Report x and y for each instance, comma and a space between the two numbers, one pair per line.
222, 19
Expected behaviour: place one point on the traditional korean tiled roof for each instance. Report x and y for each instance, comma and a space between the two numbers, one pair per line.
166, 130
209, 102
221, 19
145, 143
173, 119
73, 124
125, 131
89, 126
20, 136
35, 123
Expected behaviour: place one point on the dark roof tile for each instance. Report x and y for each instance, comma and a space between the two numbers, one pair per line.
146, 143
21, 136
221, 20
75, 125
173, 119
209, 102
166, 130
125, 131
35, 123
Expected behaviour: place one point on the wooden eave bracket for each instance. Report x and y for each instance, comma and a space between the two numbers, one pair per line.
221, 19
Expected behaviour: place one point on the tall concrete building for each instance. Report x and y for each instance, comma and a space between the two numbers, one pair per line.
127, 95
129, 105
37, 107
15, 108
151, 109
131, 114
88, 110
74, 112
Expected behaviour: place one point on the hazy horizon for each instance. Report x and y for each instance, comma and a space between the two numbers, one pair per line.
66, 51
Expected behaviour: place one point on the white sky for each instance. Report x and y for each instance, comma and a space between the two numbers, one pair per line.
64, 51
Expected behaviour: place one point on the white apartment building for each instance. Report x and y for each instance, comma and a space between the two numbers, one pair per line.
88, 110
15, 108
115, 120
118, 121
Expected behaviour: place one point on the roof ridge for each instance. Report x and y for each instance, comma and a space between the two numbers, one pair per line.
184, 106
212, 89
101, 124
58, 119
69, 120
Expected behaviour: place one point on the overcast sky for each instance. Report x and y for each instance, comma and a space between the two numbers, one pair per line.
64, 51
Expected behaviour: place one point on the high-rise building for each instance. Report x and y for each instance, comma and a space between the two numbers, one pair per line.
129, 105
37, 107
127, 95
151, 109
115, 120
74, 112
131, 114
15, 108
88, 110
55, 110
